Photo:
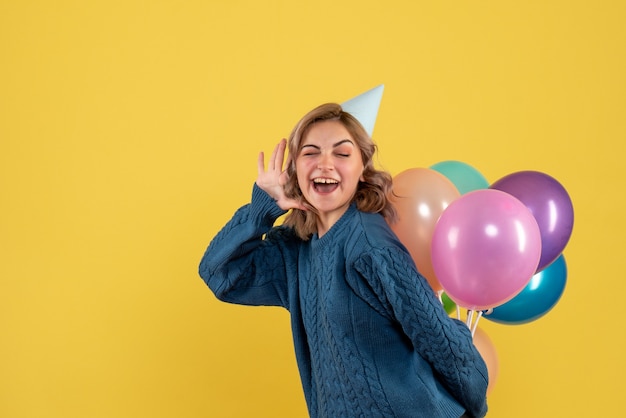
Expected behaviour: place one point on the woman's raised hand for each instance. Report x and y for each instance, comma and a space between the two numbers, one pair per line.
273, 180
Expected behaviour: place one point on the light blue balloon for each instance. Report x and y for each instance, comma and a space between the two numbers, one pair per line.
536, 299
465, 177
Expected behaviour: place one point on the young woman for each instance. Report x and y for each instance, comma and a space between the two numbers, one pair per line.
371, 338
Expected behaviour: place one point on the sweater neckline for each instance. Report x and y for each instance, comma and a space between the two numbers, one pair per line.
336, 229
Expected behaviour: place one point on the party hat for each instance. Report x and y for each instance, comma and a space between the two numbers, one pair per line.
364, 107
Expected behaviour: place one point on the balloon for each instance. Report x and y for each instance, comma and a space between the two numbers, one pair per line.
538, 297
420, 196
465, 177
448, 304
550, 205
485, 248
487, 351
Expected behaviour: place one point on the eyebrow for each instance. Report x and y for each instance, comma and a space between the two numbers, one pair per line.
335, 145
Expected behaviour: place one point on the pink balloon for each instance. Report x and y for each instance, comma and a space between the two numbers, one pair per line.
485, 248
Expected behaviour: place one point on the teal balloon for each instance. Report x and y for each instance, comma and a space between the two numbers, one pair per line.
465, 177
539, 296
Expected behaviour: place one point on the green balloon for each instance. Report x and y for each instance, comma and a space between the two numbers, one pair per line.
465, 177
448, 304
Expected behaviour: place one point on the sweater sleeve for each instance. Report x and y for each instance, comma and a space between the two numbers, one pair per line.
444, 342
247, 261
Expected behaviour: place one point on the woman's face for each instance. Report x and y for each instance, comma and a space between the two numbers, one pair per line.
329, 167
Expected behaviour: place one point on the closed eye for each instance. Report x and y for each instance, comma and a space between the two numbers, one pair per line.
309, 150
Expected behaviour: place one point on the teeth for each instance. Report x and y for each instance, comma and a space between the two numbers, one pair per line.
327, 181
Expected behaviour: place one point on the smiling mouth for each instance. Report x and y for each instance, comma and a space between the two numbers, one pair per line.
325, 185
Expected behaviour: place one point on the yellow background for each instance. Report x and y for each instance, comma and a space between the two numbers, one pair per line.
129, 132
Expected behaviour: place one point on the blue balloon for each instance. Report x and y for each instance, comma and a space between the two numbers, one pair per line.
536, 299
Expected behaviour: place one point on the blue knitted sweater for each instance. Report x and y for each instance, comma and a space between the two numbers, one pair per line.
371, 338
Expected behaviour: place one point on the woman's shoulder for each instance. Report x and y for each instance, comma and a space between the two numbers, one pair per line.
375, 232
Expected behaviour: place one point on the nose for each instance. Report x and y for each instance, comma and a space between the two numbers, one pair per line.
325, 162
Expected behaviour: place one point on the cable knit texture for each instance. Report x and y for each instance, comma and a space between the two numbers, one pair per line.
371, 338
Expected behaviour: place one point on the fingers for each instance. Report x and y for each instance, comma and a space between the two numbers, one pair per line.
261, 163
278, 156
271, 164
276, 159
275, 162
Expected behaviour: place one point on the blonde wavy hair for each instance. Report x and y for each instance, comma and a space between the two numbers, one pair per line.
372, 194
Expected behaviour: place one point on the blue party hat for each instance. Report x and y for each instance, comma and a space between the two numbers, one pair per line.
365, 106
